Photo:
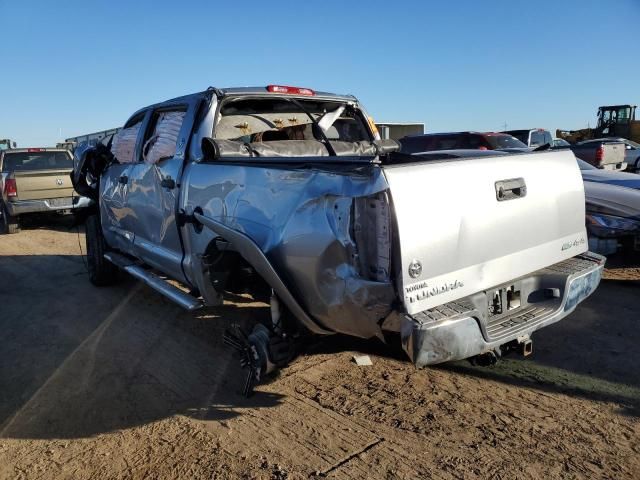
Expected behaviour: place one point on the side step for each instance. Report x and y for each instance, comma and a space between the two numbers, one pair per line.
186, 301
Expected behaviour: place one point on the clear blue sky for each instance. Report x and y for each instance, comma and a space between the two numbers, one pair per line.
73, 67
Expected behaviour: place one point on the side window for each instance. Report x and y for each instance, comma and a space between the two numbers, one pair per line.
162, 142
124, 142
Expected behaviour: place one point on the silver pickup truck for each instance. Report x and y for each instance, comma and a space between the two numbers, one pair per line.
601, 154
290, 193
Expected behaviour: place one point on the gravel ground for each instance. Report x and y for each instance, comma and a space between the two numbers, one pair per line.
120, 383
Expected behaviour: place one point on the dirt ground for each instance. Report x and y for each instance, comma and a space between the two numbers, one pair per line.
120, 383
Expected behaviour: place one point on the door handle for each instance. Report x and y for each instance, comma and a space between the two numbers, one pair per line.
123, 179
168, 182
510, 189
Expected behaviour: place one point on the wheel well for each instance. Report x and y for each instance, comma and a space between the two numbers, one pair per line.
228, 271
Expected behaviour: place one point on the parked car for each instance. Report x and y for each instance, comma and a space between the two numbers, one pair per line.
601, 154
289, 193
35, 180
532, 137
613, 218
560, 143
461, 140
621, 179
631, 151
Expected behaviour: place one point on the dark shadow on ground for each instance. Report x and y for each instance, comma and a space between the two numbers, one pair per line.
52, 221
77, 360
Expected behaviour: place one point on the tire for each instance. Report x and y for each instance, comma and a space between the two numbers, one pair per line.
101, 271
8, 223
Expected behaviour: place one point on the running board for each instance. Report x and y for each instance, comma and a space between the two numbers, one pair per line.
186, 301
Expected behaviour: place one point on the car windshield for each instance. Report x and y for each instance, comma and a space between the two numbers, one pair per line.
503, 141
584, 165
292, 127
17, 161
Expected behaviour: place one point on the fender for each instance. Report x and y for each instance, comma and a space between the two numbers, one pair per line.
250, 251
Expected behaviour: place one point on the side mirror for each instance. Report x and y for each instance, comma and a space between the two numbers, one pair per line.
15, 144
385, 147
210, 149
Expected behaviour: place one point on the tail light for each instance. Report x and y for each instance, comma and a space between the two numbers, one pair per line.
10, 187
599, 153
371, 230
290, 90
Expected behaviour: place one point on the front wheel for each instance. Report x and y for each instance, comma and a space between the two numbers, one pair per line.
8, 223
101, 271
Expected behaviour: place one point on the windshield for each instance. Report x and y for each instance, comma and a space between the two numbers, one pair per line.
503, 141
20, 161
291, 127
584, 165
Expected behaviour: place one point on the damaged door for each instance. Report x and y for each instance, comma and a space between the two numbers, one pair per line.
117, 219
155, 187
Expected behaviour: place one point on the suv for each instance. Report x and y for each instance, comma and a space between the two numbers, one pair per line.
289, 193
461, 140
35, 180
534, 137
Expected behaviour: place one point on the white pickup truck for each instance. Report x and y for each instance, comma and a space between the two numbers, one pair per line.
290, 193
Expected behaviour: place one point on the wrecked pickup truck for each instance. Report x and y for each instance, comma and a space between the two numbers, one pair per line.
291, 194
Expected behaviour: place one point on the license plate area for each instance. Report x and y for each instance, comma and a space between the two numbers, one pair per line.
503, 300
60, 202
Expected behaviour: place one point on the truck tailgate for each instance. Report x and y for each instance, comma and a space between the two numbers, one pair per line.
613, 154
462, 230
43, 184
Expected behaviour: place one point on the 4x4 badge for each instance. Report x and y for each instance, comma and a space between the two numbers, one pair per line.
59, 181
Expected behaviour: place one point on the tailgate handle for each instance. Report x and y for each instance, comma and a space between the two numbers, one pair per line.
510, 189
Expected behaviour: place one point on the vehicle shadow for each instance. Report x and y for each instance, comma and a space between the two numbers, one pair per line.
53, 222
78, 361
590, 354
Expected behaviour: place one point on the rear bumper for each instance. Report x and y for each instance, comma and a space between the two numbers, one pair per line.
20, 207
460, 330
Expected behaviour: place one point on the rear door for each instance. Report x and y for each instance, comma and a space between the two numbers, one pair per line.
154, 187
468, 225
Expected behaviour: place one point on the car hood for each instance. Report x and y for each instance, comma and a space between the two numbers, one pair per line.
612, 200
622, 179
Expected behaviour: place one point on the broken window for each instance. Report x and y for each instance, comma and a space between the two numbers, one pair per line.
124, 143
162, 143
277, 126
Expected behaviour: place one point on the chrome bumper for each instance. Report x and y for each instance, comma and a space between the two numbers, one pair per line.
460, 330
20, 207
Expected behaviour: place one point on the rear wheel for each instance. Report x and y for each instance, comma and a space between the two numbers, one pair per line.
8, 223
101, 271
